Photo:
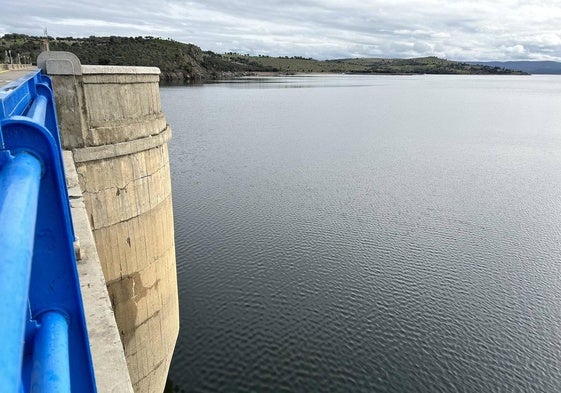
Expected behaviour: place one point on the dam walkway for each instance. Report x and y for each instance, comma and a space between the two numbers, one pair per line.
8, 76
115, 226
49, 262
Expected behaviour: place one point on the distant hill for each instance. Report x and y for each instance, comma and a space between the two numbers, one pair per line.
176, 60
185, 62
421, 65
531, 67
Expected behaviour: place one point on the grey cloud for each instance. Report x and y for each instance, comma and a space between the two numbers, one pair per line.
461, 30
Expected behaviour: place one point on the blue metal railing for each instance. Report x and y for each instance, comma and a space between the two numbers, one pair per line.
43, 338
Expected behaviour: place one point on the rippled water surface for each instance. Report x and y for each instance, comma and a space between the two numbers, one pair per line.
368, 234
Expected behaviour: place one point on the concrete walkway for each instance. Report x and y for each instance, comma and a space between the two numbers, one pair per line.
11, 75
110, 365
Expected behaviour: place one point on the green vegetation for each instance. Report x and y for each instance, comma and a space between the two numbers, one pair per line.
422, 65
179, 61
176, 60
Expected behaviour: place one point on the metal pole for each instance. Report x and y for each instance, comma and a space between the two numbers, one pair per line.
19, 190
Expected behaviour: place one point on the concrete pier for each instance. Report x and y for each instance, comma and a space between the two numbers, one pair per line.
111, 120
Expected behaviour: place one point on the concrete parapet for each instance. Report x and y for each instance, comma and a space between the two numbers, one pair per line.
111, 118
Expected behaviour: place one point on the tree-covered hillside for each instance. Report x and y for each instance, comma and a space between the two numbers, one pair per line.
176, 60
179, 61
421, 65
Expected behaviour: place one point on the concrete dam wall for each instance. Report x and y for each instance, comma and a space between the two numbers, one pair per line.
111, 119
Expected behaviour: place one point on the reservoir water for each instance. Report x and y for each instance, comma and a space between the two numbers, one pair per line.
368, 234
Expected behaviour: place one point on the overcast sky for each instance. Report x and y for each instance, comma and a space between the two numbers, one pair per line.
456, 30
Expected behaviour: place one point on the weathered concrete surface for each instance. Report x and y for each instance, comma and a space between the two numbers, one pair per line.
111, 118
122, 149
9, 76
122, 107
110, 366
129, 201
59, 63
119, 70
6, 67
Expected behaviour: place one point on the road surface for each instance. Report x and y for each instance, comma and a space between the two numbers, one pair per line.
8, 76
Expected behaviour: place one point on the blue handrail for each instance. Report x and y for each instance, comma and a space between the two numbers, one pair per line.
43, 337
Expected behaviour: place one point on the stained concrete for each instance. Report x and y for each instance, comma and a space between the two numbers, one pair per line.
111, 118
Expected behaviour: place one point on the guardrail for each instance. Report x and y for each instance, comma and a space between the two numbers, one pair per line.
43, 337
